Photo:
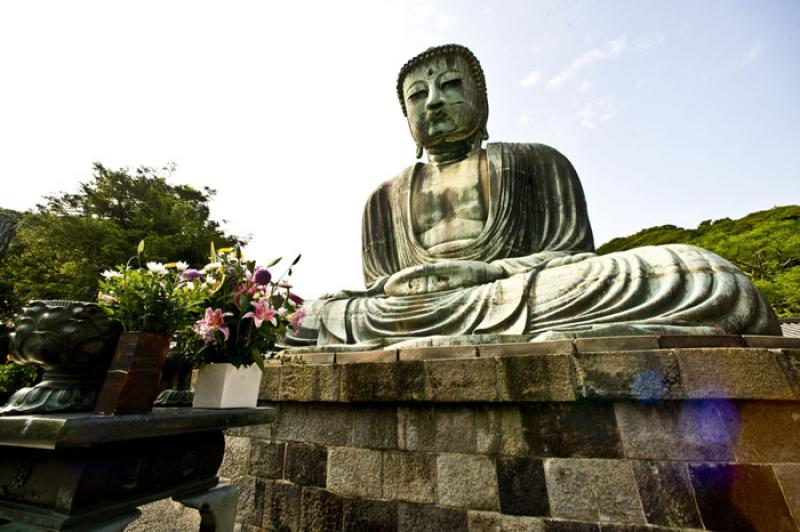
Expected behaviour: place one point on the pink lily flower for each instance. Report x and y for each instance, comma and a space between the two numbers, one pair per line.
213, 321
263, 312
296, 318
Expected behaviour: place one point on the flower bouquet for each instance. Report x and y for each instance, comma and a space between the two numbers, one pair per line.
151, 303
246, 313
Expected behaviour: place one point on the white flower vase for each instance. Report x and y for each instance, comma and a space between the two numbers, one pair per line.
226, 386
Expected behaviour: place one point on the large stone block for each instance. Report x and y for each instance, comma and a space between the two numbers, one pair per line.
789, 480
409, 476
499, 430
328, 424
370, 382
582, 429
436, 428
412, 382
282, 508
329, 378
290, 424
356, 472
299, 382
559, 525
554, 347
426, 518
306, 464
593, 490
269, 389
266, 459
789, 360
467, 481
674, 430
766, 431
462, 380
536, 378
495, 522
253, 496
321, 511
235, 462
522, 486
367, 515
166, 514
375, 426
439, 352
739, 497
639, 375
666, 494
733, 374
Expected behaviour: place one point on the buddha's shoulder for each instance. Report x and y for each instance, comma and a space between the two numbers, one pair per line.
529, 149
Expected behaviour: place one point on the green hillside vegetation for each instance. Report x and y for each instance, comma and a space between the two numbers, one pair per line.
764, 244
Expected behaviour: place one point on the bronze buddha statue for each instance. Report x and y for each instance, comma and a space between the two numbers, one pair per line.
496, 241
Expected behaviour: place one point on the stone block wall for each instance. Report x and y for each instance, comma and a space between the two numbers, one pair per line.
526, 437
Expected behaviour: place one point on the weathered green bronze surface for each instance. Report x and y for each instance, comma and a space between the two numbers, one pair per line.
496, 240
61, 471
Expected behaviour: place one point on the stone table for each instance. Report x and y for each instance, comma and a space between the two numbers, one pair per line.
91, 472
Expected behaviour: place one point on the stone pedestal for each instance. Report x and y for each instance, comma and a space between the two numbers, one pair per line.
616, 434
90, 472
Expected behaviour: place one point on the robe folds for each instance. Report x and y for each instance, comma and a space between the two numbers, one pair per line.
537, 231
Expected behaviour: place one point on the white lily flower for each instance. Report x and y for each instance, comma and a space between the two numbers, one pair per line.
109, 274
212, 266
181, 266
156, 267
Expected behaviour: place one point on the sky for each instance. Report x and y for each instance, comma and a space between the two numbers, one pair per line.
672, 112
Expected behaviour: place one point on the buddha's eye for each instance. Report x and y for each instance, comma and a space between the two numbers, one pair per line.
417, 95
451, 84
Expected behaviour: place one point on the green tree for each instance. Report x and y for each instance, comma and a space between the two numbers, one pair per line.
764, 244
62, 245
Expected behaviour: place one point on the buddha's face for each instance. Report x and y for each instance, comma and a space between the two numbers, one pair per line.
442, 101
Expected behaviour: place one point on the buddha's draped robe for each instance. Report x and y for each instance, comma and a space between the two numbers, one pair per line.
538, 232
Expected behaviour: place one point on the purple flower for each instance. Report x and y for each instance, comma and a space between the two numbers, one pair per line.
262, 276
191, 274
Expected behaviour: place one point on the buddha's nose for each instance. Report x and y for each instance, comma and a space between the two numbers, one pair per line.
434, 99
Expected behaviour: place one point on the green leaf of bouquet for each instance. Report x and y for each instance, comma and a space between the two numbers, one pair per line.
273, 262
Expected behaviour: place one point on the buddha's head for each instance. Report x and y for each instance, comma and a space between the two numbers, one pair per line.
443, 94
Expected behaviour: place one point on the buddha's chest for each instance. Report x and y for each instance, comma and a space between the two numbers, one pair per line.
449, 204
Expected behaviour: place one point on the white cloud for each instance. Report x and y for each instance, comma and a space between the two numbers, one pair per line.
523, 119
531, 80
585, 85
609, 50
752, 54
596, 111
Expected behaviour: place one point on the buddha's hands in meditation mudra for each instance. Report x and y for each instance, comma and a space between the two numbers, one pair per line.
441, 276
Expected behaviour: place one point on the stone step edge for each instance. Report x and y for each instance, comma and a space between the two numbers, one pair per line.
336, 355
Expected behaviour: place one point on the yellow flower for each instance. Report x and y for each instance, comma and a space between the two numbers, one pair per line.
224, 250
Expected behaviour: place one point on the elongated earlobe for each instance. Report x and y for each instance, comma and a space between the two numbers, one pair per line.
419, 151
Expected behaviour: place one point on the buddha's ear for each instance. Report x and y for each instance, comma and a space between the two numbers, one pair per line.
419, 150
